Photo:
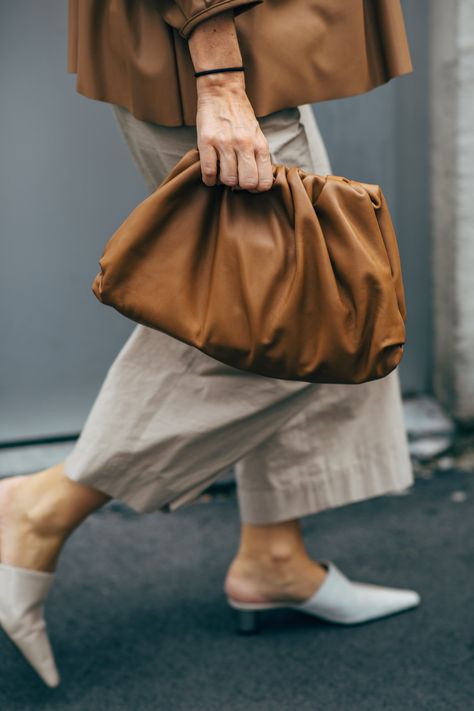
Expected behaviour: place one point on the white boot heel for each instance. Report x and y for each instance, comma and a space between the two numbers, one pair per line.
22, 594
337, 600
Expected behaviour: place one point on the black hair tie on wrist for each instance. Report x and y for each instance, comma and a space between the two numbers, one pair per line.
223, 69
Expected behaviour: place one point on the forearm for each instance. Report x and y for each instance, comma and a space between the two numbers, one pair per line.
229, 138
214, 44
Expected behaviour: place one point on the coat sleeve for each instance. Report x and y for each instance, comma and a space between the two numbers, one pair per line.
184, 15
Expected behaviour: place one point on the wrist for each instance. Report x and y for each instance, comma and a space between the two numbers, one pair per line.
220, 82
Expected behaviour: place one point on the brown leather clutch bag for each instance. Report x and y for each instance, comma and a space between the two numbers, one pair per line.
302, 282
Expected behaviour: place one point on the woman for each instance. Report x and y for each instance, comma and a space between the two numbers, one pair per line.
168, 419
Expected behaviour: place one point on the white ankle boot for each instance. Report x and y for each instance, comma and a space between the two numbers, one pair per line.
337, 600
22, 593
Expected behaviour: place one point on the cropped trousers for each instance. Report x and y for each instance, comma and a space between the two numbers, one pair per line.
168, 420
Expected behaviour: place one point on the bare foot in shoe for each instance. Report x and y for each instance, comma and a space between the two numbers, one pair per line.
25, 540
37, 514
270, 579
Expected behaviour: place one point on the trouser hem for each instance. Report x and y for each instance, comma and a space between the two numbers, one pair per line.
308, 495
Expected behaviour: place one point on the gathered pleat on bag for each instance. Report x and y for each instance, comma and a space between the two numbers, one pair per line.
301, 282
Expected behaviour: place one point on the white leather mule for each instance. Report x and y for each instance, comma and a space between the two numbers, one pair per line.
337, 600
22, 594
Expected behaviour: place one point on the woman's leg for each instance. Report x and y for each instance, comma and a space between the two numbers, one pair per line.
37, 514
347, 444
272, 564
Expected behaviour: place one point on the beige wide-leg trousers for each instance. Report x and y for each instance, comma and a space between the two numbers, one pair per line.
168, 419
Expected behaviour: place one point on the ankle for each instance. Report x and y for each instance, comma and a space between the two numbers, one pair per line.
45, 520
51, 503
35, 506
281, 574
36, 509
26, 541
272, 563
279, 542
273, 553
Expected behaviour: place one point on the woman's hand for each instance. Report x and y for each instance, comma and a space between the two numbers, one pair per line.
232, 147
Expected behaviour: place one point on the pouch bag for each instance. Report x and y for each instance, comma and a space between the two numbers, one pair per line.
301, 282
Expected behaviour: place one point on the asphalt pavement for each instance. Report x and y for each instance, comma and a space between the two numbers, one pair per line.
138, 618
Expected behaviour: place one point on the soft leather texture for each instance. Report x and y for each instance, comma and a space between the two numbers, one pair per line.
135, 53
302, 282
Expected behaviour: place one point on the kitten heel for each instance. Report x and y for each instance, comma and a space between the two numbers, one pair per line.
246, 621
337, 600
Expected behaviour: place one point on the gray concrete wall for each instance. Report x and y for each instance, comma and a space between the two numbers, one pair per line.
452, 150
67, 181
382, 137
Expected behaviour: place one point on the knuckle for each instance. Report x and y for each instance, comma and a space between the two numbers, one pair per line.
243, 143
261, 149
224, 142
205, 140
